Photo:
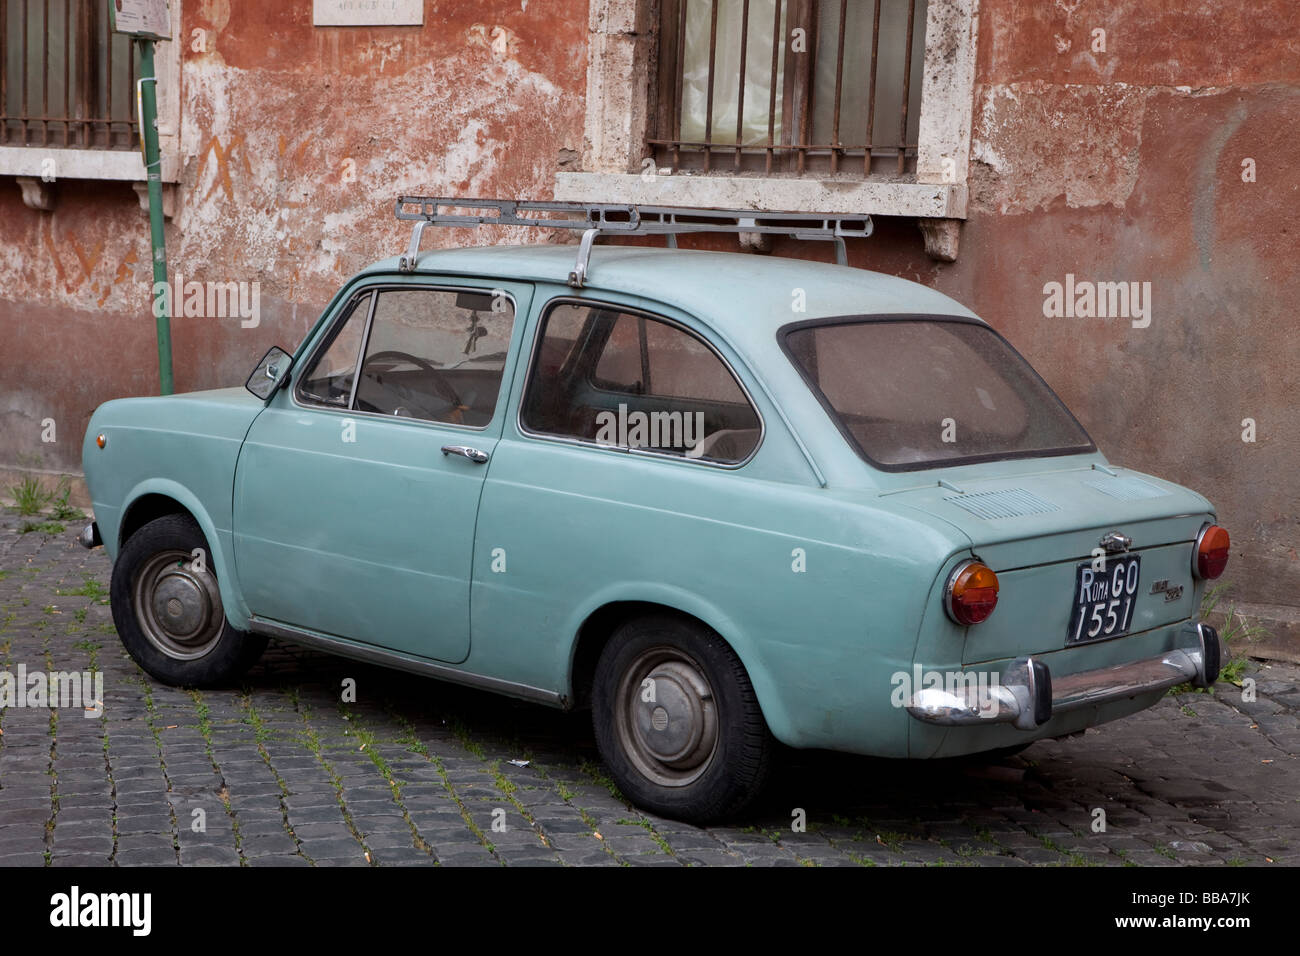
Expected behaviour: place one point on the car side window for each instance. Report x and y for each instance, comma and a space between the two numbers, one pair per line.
612, 377
329, 379
432, 354
436, 354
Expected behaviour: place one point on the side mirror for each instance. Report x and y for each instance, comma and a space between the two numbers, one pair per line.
270, 374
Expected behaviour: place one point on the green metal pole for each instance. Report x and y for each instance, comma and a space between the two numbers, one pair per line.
148, 104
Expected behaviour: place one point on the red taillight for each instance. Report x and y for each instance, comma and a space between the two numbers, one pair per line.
1211, 552
972, 593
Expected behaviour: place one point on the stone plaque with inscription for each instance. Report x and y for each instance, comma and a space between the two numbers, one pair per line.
367, 13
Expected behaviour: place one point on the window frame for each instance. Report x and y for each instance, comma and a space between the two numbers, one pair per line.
785, 331
327, 340
543, 315
342, 315
617, 165
794, 100
123, 165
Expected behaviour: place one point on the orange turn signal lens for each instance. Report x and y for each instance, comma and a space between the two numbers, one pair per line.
972, 593
1211, 552
101, 439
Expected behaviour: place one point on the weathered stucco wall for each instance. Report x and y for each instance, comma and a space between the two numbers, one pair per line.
1122, 164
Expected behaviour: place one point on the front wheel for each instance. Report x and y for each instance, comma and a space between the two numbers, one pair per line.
677, 721
168, 610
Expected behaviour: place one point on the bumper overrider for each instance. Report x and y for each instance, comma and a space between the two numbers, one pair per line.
1027, 696
89, 537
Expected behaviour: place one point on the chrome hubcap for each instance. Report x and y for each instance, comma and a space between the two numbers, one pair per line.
666, 717
178, 608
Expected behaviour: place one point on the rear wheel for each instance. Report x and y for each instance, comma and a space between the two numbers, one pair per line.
168, 610
677, 721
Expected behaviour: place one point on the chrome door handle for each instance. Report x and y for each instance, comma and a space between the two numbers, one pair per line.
473, 454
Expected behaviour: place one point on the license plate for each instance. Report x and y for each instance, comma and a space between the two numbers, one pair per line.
1104, 599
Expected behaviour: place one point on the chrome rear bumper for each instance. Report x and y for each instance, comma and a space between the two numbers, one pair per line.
1027, 695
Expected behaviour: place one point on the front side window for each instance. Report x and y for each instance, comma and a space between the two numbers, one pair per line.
329, 379
927, 392
627, 380
432, 354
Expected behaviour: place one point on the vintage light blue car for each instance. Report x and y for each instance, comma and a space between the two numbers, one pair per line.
719, 499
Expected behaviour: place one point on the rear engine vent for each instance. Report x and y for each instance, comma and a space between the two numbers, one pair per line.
1126, 489
1006, 503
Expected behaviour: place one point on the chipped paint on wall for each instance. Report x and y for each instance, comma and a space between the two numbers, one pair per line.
1039, 143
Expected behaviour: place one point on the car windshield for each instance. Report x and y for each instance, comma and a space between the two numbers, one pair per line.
921, 392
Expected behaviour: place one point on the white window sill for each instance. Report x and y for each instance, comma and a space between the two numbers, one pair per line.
113, 164
768, 194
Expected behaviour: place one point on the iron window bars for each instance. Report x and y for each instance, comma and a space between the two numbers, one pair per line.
65, 79
786, 85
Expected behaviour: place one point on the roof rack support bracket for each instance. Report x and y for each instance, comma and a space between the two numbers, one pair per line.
407, 262
578, 274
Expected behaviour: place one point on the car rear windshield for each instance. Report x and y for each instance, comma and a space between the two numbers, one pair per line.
914, 393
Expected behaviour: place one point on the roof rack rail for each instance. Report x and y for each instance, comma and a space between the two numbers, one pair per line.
626, 219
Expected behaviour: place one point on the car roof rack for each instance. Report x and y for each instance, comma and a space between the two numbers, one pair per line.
623, 219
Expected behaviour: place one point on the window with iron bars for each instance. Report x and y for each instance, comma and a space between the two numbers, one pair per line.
65, 78
790, 86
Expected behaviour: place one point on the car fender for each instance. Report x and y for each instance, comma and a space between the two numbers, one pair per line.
770, 699
219, 542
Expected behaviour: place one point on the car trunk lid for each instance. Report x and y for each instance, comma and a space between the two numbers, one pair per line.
1035, 530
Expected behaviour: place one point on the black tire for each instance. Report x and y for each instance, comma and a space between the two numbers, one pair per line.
719, 754
168, 609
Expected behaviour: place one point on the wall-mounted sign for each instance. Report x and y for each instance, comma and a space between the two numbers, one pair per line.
367, 13
141, 18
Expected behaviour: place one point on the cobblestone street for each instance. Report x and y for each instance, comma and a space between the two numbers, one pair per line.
281, 772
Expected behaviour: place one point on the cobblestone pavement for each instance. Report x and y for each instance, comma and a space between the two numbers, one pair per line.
280, 772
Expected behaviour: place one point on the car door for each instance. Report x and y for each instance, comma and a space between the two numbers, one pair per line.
624, 476
358, 486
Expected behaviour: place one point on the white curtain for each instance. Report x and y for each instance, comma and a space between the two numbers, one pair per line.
726, 71
890, 58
